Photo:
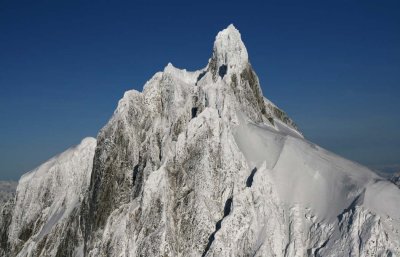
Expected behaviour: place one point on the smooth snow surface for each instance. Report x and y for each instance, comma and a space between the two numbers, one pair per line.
311, 176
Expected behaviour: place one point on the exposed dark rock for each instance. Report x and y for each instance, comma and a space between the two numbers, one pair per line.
227, 210
249, 181
222, 71
212, 67
201, 75
194, 112
248, 75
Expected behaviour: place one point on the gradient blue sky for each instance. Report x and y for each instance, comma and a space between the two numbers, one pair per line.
333, 66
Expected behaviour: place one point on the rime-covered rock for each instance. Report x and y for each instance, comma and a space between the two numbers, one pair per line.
44, 220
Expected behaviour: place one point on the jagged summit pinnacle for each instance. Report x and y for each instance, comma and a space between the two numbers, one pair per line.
229, 50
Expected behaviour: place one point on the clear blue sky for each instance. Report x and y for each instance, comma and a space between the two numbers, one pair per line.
334, 66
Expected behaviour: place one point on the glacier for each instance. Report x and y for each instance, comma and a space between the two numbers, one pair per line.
201, 164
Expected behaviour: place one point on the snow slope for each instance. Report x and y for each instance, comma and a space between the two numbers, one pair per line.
202, 164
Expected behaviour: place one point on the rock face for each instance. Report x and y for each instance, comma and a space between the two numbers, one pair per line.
201, 164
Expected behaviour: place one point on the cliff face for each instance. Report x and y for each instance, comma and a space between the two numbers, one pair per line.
201, 164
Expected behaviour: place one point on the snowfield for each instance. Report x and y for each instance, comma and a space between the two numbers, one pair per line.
202, 164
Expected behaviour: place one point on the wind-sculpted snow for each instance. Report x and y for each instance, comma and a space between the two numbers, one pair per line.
202, 164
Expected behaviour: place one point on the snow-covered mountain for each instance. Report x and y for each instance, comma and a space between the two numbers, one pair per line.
202, 164
396, 178
7, 190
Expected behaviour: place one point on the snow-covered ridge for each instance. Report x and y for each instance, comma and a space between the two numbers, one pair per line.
47, 196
